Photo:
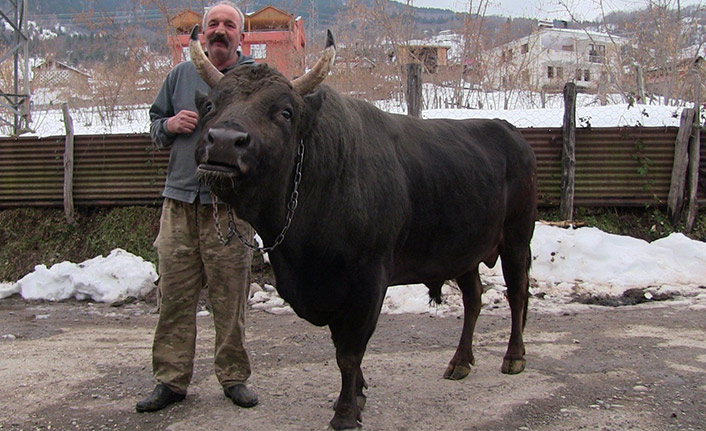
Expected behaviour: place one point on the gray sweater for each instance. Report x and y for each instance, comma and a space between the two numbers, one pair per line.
178, 92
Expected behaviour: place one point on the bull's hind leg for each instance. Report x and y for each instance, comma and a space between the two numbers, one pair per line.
471, 288
516, 262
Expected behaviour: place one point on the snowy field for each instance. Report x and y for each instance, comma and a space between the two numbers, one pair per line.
526, 113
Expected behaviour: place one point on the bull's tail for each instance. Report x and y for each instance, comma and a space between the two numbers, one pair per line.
527, 286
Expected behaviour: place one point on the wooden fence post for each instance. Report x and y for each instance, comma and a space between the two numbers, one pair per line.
640, 84
677, 185
68, 165
694, 159
414, 89
568, 153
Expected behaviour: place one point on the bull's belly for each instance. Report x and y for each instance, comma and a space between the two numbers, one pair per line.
428, 272
440, 266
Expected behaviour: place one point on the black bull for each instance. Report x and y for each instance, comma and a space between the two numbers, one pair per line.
382, 199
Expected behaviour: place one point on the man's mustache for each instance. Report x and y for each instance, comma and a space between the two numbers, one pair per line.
219, 38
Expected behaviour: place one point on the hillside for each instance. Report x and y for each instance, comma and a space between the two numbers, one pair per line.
319, 14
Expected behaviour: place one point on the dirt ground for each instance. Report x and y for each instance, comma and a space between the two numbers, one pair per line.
82, 366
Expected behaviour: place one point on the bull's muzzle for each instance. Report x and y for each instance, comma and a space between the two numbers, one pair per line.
224, 137
222, 150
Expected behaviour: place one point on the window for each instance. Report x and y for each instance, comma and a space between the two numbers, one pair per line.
550, 72
560, 72
507, 55
583, 75
258, 51
567, 47
596, 53
525, 48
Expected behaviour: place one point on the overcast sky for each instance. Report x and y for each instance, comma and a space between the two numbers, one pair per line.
550, 9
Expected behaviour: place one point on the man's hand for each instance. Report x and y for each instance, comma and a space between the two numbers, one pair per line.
183, 122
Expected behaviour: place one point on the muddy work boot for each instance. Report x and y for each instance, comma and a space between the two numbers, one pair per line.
241, 395
161, 397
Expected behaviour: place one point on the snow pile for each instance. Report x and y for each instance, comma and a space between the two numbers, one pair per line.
589, 255
103, 279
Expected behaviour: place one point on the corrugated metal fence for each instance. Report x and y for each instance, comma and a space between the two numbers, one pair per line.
614, 167
108, 170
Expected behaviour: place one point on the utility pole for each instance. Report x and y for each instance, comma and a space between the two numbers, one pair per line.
16, 100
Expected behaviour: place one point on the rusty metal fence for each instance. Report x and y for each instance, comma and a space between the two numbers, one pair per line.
108, 170
626, 166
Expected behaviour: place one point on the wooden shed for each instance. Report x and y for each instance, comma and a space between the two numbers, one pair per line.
430, 55
277, 38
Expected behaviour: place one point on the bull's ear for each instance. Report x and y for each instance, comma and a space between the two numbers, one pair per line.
312, 103
200, 99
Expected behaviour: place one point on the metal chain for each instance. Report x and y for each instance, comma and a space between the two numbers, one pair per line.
291, 206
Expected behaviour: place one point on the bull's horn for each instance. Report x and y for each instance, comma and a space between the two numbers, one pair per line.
206, 69
306, 83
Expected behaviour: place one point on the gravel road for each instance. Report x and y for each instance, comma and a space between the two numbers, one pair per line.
82, 366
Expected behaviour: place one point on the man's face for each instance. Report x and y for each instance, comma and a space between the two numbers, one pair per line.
222, 35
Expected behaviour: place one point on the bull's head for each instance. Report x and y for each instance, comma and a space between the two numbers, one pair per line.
252, 122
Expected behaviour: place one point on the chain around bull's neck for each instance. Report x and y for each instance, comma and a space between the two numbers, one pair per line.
291, 206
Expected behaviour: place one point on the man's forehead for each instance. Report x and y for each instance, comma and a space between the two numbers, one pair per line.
223, 13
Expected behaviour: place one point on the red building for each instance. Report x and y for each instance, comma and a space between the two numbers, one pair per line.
272, 36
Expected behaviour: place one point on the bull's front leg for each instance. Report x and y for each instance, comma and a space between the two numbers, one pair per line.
350, 334
360, 384
348, 411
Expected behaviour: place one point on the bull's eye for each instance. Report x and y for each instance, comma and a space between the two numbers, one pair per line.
287, 113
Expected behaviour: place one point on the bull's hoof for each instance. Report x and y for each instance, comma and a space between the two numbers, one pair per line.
340, 425
457, 372
513, 366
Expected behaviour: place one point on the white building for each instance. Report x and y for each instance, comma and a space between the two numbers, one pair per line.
551, 57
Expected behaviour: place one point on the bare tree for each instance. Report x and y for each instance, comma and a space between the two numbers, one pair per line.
472, 66
662, 41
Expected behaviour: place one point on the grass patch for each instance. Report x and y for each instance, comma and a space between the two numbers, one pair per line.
33, 236
645, 223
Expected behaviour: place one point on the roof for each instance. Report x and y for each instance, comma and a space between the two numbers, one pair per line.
185, 20
268, 17
60, 65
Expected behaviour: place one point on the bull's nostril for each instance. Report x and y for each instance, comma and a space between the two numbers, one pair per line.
224, 137
243, 140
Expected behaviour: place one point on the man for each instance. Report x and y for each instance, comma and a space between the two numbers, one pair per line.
190, 254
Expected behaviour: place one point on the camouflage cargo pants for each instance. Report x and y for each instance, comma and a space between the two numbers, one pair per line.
190, 256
